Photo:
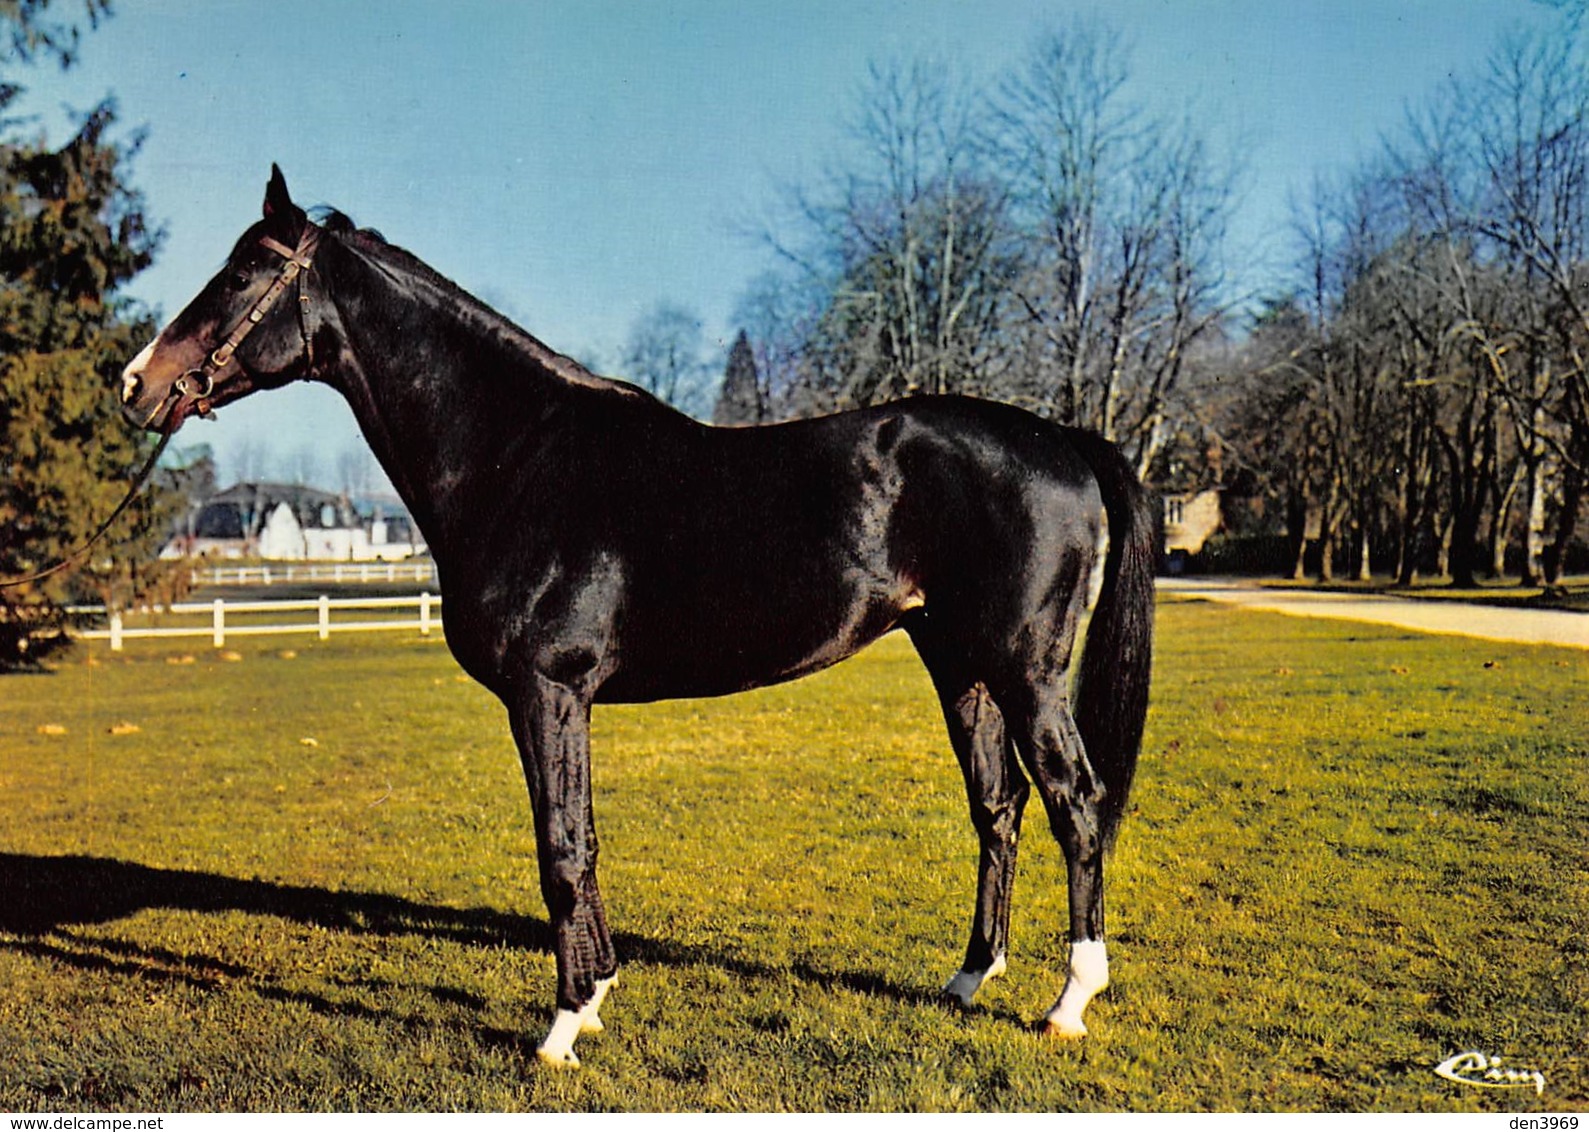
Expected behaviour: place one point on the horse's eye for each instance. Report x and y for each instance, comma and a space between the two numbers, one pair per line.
238, 280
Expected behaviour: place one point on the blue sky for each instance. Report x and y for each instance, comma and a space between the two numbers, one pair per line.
573, 162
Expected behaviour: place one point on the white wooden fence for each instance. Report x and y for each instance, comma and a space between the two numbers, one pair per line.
282, 573
322, 625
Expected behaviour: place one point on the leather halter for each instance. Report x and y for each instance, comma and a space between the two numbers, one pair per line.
299, 260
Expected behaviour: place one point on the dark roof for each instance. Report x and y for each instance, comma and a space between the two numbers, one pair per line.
274, 492
309, 504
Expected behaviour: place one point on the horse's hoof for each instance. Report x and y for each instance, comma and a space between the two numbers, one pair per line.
963, 985
557, 1059
589, 1016
1065, 1032
959, 990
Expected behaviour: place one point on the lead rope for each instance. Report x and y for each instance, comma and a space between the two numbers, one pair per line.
299, 260
77, 555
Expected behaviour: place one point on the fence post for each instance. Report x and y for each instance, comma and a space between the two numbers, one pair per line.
218, 622
325, 617
424, 614
115, 630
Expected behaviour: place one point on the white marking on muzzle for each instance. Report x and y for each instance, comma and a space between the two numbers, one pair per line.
131, 374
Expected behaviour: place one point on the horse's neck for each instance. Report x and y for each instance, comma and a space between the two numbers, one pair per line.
442, 389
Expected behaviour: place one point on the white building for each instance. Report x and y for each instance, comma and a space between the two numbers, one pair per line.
291, 523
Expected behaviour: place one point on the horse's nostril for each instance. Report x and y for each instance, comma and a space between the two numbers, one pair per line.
131, 383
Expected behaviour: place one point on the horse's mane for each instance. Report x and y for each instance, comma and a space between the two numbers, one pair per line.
373, 245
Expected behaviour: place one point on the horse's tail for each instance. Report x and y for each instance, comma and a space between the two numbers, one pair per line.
1117, 659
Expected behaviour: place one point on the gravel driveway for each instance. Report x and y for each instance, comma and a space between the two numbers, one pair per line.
1529, 626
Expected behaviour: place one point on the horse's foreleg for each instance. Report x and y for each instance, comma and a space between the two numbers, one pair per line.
1052, 747
552, 727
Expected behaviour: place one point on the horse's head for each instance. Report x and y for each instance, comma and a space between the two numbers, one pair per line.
247, 329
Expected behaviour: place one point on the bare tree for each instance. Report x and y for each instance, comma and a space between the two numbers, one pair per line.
302, 466
1123, 217
907, 245
1529, 120
1494, 177
250, 461
1432, 373
666, 354
357, 472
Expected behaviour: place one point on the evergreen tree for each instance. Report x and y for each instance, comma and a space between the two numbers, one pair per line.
741, 400
72, 234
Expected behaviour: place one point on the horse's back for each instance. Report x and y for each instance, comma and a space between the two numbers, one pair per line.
755, 555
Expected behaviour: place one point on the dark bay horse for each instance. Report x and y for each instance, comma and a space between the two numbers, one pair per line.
595, 545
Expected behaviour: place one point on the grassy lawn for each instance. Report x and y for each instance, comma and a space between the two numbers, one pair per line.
307, 881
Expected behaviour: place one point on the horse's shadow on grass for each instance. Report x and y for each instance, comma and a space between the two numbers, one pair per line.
43, 899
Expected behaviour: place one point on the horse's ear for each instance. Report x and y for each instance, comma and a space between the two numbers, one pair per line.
278, 202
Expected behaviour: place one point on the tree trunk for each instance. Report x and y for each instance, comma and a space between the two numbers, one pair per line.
1464, 546
1407, 565
1297, 524
1329, 528
1405, 512
1554, 560
1326, 550
1534, 529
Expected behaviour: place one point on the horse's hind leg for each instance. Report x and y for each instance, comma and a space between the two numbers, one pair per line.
997, 792
1049, 743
